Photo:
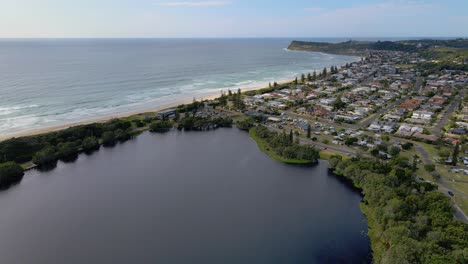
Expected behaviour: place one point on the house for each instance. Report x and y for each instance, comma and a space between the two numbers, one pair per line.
303, 126
168, 113
424, 137
422, 114
410, 104
321, 112
274, 119
458, 131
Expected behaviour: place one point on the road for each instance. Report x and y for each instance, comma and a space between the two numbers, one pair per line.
318, 144
418, 84
444, 187
370, 120
444, 120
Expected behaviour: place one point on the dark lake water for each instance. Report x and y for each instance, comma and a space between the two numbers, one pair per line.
198, 197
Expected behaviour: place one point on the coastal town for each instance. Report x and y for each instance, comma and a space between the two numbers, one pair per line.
381, 106
393, 125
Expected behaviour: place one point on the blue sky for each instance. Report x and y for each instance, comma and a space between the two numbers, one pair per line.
233, 18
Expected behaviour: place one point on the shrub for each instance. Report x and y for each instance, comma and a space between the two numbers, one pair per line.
10, 172
122, 135
160, 126
90, 143
108, 138
67, 150
429, 167
45, 156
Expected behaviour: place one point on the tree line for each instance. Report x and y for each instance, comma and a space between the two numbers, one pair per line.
284, 145
409, 221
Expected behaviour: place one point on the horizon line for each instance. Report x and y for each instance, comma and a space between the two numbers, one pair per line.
246, 37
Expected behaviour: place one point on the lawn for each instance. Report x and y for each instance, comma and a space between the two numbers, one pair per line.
327, 154
462, 202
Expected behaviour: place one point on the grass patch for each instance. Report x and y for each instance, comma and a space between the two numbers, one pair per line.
462, 202
27, 165
405, 66
327, 154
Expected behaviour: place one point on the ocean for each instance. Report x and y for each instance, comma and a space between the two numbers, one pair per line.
51, 82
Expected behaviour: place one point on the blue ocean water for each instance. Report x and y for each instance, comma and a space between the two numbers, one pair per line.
48, 82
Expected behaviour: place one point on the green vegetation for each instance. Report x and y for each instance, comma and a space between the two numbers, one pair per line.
90, 144
10, 173
351, 47
201, 123
108, 138
280, 147
440, 54
429, 167
409, 222
246, 124
65, 144
160, 126
45, 156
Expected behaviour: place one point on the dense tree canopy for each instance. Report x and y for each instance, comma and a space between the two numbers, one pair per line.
10, 172
409, 221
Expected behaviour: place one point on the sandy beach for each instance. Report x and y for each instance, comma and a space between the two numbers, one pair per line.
144, 109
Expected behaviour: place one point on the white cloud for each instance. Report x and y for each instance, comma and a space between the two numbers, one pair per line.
202, 3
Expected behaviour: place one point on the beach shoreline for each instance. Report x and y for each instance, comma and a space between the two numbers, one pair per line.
142, 110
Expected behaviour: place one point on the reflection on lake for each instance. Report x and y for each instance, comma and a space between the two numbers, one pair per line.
197, 197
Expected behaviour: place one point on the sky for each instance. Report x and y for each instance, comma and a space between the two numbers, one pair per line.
232, 18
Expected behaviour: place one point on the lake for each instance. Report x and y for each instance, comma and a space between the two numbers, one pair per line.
182, 197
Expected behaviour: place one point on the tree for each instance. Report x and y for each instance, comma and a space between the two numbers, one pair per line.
407, 145
309, 77
222, 101
10, 172
350, 141
324, 72
122, 135
67, 150
45, 156
291, 137
394, 151
456, 149
444, 153
414, 167
108, 138
338, 104
429, 167
295, 81
308, 130
90, 143
314, 76
302, 78
160, 126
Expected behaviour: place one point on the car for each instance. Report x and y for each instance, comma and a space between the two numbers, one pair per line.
450, 193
